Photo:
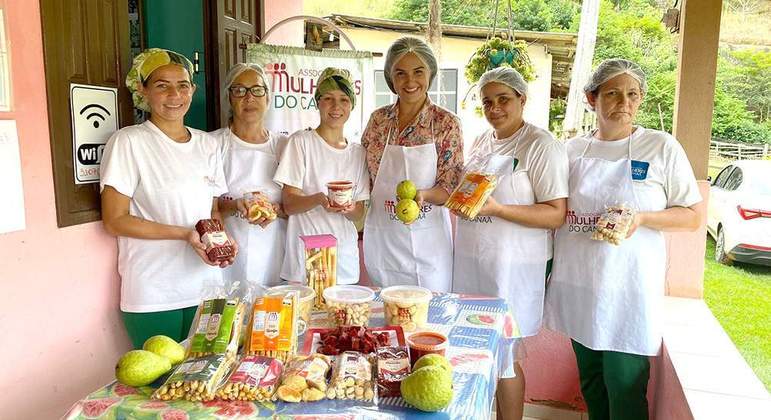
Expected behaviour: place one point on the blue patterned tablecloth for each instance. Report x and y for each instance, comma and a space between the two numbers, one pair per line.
476, 327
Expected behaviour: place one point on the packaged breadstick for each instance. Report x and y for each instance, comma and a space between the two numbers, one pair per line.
478, 183
196, 379
614, 224
273, 330
320, 264
217, 325
254, 379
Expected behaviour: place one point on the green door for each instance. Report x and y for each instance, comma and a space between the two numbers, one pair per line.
177, 25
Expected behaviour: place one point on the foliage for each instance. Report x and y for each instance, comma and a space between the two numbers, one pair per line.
747, 74
500, 53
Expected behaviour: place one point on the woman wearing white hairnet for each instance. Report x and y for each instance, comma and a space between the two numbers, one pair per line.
607, 297
251, 154
506, 250
417, 140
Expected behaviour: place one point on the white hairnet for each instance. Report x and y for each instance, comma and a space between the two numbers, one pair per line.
233, 74
613, 67
405, 45
506, 76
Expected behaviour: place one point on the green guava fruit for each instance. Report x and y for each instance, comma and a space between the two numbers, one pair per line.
166, 347
433, 360
141, 367
407, 211
428, 388
406, 190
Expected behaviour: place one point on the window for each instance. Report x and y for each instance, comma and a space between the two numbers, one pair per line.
723, 176
735, 180
443, 91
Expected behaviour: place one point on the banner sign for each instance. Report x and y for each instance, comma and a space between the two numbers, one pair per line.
292, 73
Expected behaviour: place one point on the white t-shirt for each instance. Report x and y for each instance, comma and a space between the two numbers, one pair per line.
309, 163
249, 168
170, 183
537, 152
658, 160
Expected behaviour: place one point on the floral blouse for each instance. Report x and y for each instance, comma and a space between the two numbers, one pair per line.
433, 124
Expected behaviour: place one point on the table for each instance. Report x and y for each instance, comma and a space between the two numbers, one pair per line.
478, 329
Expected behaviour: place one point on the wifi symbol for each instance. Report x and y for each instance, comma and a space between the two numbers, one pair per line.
96, 113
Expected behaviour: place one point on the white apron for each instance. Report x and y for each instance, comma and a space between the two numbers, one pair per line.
260, 251
604, 296
495, 257
416, 254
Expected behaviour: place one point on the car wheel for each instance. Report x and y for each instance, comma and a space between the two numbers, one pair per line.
720, 254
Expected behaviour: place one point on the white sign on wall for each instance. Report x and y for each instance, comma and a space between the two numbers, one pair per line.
94, 113
12, 210
292, 73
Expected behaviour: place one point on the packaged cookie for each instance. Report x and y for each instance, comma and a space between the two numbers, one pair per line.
254, 379
217, 324
348, 304
305, 378
471, 194
614, 224
273, 330
406, 306
196, 379
352, 377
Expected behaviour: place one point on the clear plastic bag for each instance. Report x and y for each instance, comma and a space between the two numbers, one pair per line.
218, 322
273, 330
614, 224
305, 378
255, 378
196, 379
353, 378
479, 180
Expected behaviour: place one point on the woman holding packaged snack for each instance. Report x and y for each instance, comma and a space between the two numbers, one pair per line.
607, 297
158, 179
506, 249
312, 160
415, 140
250, 157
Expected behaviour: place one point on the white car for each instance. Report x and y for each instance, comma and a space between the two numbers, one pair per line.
739, 215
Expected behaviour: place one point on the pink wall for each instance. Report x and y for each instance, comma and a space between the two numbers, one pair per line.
291, 33
59, 290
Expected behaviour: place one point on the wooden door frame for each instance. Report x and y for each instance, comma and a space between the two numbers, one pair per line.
213, 32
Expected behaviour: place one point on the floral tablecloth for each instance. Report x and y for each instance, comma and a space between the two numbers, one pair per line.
478, 328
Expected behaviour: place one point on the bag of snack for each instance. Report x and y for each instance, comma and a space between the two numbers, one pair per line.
480, 178
320, 264
255, 378
305, 378
217, 325
614, 224
273, 330
218, 246
196, 379
352, 377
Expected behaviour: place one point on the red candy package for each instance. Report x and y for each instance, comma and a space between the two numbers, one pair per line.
218, 247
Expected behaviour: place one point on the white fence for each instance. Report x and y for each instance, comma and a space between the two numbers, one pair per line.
738, 151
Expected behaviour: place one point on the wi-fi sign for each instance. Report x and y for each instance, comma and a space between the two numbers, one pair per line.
95, 112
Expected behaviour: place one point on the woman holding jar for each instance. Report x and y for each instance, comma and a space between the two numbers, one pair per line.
251, 154
506, 250
158, 179
417, 140
607, 298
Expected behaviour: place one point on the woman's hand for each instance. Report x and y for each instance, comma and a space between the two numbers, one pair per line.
195, 242
637, 221
490, 208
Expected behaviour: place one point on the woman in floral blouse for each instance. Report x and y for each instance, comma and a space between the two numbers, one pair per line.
417, 140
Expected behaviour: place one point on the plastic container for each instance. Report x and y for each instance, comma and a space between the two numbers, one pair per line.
349, 305
307, 296
340, 193
426, 342
406, 306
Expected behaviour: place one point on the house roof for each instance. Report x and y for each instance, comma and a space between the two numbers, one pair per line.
561, 46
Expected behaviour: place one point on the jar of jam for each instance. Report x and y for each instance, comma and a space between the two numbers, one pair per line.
426, 342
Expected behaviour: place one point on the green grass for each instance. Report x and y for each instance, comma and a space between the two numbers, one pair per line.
740, 298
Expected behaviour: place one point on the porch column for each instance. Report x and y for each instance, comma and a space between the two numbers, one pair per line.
696, 66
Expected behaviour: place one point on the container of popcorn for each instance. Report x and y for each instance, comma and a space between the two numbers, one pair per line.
349, 305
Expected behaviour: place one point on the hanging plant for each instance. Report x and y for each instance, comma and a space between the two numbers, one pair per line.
498, 52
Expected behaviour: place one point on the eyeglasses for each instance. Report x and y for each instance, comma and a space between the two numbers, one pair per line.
257, 91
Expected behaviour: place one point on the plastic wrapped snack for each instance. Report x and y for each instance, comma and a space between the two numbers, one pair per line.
349, 305
273, 330
213, 236
254, 379
393, 365
471, 194
352, 378
406, 306
320, 264
196, 379
305, 378
614, 224
307, 298
217, 324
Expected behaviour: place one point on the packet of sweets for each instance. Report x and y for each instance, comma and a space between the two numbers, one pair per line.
305, 378
196, 379
352, 378
320, 264
254, 379
273, 330
217, 324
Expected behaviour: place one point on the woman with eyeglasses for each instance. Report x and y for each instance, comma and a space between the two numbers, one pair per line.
158, 179
250, 155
